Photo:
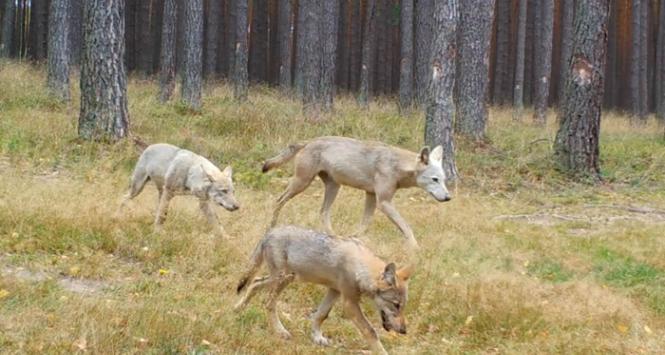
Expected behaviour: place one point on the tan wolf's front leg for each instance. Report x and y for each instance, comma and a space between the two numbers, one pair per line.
370, 206
162, 208
356, 314
320, 315
389, 210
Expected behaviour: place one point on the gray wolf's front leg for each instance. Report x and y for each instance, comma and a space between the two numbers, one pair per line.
321, 314
212, 217
162, 208
353, 308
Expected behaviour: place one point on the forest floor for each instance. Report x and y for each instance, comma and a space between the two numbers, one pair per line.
522, 260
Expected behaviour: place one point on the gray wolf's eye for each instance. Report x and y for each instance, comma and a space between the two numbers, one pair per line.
435, 179
225, 191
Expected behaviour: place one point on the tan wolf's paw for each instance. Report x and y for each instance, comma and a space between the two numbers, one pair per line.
284, 334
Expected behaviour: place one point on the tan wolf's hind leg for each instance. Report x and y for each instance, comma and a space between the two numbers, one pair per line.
370, 206
332, 188
279, 284
296, 186
256, 286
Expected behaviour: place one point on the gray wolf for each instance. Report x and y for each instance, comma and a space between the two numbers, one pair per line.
374, 167
177, 171
345, 266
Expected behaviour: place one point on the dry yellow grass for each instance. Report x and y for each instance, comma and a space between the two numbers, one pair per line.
522, 260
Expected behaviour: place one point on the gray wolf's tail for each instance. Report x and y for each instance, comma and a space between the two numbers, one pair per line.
284, 156
255, 262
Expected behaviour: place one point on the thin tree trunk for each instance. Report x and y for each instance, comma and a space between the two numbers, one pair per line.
192, 64
240, 73
144, 40
104, 114
423, 48
168, 60
7, 29
518, 92
368, 39
568, 12
329, 13
612, 67
440, 111
529, 45
231, 30
501, 73
285, 23
542, 81
212, 37
39, 17
311, 57
406, 50
300, 48
644, 59
58, 50
576, 146
660, 64
258, 42
636, 51
355, 43
75, 31
473, 41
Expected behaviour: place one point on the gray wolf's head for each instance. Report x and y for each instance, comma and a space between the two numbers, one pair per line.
431, 176
220, 190
391, 296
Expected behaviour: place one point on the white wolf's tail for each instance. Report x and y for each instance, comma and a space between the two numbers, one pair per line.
284, 156
255, 262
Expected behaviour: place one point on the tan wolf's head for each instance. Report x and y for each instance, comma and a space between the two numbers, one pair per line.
391, 297
221, 188
430, 175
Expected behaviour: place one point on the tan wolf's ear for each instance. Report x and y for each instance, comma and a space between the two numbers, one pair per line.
389, 274
423, 156
228, 171
405, 272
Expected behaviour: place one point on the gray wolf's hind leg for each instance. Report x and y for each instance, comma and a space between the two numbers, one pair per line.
296, 186
321, 314
332, 188
256, 286
278, 286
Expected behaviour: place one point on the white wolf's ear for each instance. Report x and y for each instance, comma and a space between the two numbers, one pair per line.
436, 155
389, 274
207, 174
405, 272
423, 156
228, 171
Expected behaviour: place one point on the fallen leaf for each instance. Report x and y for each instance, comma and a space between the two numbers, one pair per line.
205, 342
468, 320
163, 271
647, 329
622, 328
3, 293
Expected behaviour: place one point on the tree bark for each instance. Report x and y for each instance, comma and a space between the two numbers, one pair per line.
285, 23
168, 60
368, 40
473, 41
240, 73
258, 42
328, 39
529, 45
144, 41
75, 31
406, 50
544, 58
355, 43
212, 37
58, 50
423, 38
644, 59
576, 145
660, 64
636, 61
104, 114
501, 73
311, 57
518, 92
39, 17
231, 30
568, 12
7, 29
612, 69
440, 111
192, 64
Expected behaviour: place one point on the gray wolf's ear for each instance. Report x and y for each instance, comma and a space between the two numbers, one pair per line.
437, 154
208, 175
228, 171
424, 155
389, 274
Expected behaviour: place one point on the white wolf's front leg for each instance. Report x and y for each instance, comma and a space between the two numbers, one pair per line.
162, 208
212, 218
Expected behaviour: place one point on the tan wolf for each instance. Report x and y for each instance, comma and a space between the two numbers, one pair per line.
374, 167
177, 171
343, 265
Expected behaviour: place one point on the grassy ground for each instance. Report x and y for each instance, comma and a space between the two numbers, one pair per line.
522, 260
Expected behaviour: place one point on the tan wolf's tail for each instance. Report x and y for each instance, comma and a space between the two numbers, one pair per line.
255, 262
284, 156
140, 144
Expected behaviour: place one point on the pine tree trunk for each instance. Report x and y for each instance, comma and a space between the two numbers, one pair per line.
636, 51
168, 60
568, 12
610, 100
311, 57
144, 41
644, 59
355, 43
381, 59
240, 74
7, 29
440, 111
212, 37
300, 48
473, 42
258, 42
518, 92
39, 17
529, 45
501, 73
157, 12
192, 63
544, 58
368, 39
576, 145
342, 79
406, 50
231, 30
660, 64
423, 38
76, 31
104, 114
285, 23
58, 50
328, 38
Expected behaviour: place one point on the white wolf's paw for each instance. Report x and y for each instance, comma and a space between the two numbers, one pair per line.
319, 339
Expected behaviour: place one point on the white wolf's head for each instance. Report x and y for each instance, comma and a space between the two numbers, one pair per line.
431, 176
220, 190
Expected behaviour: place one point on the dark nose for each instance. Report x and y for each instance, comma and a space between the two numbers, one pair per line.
446, 199
402, 330
235, 207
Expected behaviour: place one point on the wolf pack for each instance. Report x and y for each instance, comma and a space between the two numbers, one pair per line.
344, 265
